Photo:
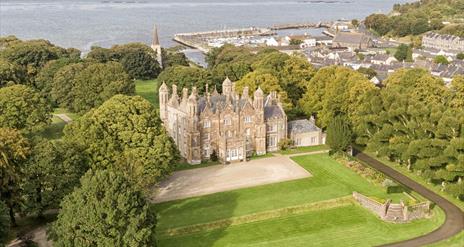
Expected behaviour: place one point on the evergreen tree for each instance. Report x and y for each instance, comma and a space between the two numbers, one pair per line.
107, 210
339, 134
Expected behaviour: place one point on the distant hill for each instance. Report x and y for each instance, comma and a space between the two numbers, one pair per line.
444, 16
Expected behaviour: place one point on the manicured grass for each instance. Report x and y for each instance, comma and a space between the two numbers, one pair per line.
147, 89
343, 226
456, 241
416, 177
298, 150
330, 180
186, 166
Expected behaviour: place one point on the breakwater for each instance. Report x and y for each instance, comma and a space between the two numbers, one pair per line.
199, 40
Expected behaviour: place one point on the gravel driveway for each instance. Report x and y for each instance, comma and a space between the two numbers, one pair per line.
208, 180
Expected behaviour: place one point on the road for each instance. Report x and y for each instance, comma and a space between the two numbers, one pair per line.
454, 222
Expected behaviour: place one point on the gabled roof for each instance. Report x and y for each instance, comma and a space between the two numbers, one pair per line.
302, 126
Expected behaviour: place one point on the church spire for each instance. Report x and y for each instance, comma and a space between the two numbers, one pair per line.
156, 46
155, 41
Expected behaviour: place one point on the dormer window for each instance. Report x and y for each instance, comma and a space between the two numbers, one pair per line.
206, 124
247, 119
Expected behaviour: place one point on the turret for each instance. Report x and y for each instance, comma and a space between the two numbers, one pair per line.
258, 101
227, 87
245, 93
163, 94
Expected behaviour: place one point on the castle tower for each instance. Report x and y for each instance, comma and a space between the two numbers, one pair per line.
163, 101
155, 45
260, 138
227, 87
193, 134
258, 101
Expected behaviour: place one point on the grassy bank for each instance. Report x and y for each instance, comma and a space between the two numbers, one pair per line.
345, 225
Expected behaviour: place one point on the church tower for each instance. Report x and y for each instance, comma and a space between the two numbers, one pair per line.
155, 45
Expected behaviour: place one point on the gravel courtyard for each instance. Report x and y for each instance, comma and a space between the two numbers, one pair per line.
208, 180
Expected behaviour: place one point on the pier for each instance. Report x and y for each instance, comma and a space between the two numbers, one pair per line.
199, 40
302, 25
204, 41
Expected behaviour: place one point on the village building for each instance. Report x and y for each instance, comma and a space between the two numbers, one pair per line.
305, 133
443, 42
353, 41
228, 125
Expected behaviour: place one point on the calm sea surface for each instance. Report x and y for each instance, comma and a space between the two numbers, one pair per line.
84, 23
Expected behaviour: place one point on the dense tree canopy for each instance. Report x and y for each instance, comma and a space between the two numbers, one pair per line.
138, 59
4, 223
333, 91
418, 17
105, 211
184, 76
82, 86
339, 134
173, 56
457, 92
403, 53
416, 121
23, 108
52, 171
33, 54
11, 73
14, 149
419, 84
126, 133
44, 79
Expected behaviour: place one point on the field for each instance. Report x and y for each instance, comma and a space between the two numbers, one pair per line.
254, 216
147, 89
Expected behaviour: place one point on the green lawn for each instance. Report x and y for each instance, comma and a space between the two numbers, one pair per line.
330, 180
349, 225
456, 241
434, 187
147, 89
298, 150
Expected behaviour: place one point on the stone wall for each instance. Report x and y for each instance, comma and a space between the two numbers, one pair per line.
394, 212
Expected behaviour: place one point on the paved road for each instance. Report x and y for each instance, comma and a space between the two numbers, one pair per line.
454, 222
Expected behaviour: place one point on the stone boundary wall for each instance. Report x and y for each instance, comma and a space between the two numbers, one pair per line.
394, 212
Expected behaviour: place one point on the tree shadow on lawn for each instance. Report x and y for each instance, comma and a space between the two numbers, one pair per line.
194, 228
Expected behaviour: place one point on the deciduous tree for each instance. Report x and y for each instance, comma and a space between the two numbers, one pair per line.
52, 171
105, 211
14, 149
4, 223
23, 108
126, 133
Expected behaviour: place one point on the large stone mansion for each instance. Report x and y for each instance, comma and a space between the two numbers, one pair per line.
231, 125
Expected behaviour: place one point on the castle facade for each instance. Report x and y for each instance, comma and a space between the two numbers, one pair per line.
231, 126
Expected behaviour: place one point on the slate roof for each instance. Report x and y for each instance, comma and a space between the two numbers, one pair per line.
272, 111
301, 126
219, 101
350, 38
